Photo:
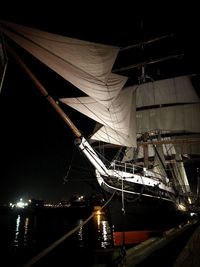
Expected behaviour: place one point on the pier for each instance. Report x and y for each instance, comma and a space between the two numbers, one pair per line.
176, 248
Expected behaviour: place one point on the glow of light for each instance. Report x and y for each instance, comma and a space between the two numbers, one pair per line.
98, 212
98, 219
181, 207
20, 204
189, 200
98, 216
12, 205
193, 214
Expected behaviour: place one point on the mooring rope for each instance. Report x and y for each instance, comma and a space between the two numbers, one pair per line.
64, 237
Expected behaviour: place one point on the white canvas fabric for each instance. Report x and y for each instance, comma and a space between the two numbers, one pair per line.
86, 65
118, 120
173, 118
168, 91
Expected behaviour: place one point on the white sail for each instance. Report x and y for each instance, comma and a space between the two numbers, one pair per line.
88, 66
173, 118
167, 91
118, 121
85, 64
173, 92
178, 90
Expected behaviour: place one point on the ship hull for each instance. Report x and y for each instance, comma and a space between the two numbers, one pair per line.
136, 220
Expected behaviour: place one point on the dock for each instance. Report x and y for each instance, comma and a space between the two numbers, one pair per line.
175, 248
190, 255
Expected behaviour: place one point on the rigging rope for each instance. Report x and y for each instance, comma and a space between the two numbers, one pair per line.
64, 237
123, 208
65, 179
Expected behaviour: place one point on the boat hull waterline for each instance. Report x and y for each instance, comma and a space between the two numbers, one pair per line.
138, 215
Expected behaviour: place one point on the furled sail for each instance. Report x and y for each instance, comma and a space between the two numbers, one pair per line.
85, 64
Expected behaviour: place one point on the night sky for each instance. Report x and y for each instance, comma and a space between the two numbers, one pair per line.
36, 147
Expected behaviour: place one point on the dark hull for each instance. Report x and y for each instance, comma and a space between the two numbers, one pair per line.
143, 217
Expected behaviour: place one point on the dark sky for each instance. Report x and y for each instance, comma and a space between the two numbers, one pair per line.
36, 147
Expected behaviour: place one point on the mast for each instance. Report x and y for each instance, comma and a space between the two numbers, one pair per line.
198, 184
171, 141
145, 148
44, 92
82, 143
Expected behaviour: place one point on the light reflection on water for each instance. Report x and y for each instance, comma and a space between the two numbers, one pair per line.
16, 239
26, 235
106, 234
80, 231
28, 230
21, 231
103, 229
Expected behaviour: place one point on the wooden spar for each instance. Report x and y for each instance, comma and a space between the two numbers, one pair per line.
142, 44
44, 92
153, 61
171, 141
159, 142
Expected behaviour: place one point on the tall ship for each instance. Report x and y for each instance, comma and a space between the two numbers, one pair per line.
147, 129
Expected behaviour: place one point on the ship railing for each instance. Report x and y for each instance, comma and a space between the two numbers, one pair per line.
135, 169
125, 167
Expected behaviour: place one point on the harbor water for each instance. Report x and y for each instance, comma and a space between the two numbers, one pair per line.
25, 235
